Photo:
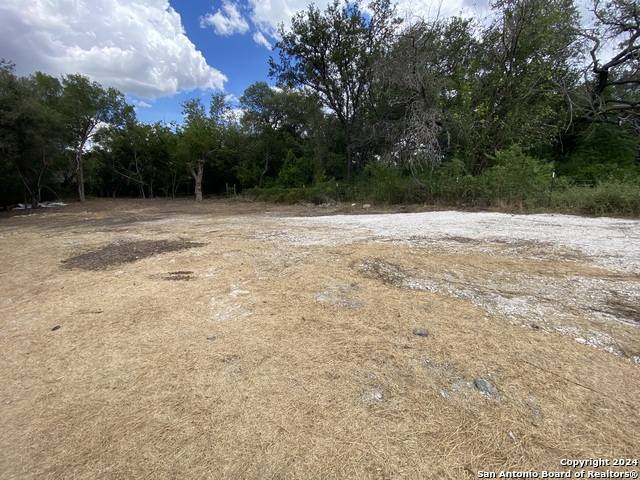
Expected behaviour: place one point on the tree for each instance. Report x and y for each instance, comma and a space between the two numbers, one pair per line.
88, 106
613, 85
128, 150
420, 81
263, 114
333, 54
525, 57
30, 133
201, 137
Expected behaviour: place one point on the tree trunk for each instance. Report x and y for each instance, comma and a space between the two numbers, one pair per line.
265, 169
197, 176
80, 169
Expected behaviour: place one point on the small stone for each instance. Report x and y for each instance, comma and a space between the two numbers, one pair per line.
374, 396
366, 206
212, 337
55, 328
485, 386
421, 332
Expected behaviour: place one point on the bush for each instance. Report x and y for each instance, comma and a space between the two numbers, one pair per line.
317, 194
516, 179
610, 197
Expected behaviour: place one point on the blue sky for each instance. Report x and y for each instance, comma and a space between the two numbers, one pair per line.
162, 52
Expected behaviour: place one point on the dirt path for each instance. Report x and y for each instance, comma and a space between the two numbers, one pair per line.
164, 339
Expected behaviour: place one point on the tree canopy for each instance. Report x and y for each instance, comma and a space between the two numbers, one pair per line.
445, 109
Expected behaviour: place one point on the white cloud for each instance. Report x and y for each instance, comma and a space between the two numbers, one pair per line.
268, 14
259, 38
141, 104
231, 98
226, 21
138, 47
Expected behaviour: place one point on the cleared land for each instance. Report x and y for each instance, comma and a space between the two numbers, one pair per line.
165, 339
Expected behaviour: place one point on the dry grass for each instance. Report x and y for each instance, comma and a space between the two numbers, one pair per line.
275, 361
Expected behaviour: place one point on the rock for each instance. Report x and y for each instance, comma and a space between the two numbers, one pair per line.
55, 328
375, 395
485, 386
212, 337
366, 206
421, 332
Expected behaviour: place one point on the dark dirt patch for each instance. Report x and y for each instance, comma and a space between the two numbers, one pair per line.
380, 269
125, 252
181, 275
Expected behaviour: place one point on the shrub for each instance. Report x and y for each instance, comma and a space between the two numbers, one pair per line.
516, 179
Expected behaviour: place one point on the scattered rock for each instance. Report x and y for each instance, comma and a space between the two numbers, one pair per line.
421, 332
461, 387
485, 386
212, 337
373, 396
55, 328
366, 206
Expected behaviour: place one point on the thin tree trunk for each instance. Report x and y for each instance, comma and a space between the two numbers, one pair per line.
80, 169
265, 169
197, 176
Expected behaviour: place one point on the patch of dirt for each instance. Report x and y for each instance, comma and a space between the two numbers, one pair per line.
247, 340
127, 252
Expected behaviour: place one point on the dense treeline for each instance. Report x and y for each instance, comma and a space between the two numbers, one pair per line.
454, 111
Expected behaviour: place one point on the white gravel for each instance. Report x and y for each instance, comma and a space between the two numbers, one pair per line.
608, 242
580, 307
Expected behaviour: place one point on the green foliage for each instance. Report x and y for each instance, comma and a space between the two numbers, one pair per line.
602, 152
516, 179
296, 171
31, 133
608, 197
383, 183
201, 139
366, 112
316, 194
333, 54
86, 106
453, 184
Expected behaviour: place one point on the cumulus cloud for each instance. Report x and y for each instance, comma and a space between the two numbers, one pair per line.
259, 38
138, 47
226, 21
268, 14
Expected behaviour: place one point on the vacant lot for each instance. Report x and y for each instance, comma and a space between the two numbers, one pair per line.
165, 339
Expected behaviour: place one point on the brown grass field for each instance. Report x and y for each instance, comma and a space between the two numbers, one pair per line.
196, 341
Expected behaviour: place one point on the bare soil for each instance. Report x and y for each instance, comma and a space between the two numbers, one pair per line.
168, 339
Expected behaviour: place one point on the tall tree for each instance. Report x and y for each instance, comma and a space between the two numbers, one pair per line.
418, 83
263, 114
201, 137
30, 126
525, 56
333, 53
87, 106
613, 83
